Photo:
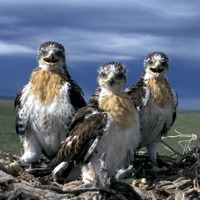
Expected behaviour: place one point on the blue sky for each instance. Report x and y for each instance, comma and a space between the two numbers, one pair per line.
94, 32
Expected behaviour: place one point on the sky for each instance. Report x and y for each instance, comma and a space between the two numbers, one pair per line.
95, 32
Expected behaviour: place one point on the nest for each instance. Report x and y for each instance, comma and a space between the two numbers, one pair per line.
177, 177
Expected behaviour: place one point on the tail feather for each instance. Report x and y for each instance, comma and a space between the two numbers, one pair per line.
59, 170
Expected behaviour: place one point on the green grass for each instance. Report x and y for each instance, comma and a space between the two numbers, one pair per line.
187, 122
9, 140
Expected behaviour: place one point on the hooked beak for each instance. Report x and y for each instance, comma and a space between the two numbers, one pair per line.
51, 58
111, 79
157, 69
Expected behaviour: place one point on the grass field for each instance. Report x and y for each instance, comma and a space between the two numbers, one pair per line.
187, 122
9, 140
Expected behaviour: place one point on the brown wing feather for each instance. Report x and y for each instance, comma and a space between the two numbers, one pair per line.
20, 126
88, 127
93, 102
137, 92
76, 93
76, 96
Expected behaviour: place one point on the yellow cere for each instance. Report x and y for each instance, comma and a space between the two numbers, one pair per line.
157, 63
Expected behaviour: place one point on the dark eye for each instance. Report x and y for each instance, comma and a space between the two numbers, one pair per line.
59, 53
119, 76
150, 62
44, 52
163, 63
103, 75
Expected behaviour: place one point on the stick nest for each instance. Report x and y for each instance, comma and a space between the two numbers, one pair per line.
177, 178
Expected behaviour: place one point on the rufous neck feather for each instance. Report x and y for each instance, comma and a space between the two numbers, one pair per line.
45, 84
120, 108
160, 91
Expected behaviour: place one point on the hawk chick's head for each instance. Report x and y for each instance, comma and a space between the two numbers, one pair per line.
156, 64
112, 76
51, 55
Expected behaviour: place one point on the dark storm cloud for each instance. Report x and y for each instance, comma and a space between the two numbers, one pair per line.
94, 32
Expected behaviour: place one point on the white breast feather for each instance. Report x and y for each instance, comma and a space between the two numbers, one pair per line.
119, 146
153, 119
48, 122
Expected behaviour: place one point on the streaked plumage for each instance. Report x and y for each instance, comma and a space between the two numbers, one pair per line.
156, 102
46, 105
109, 125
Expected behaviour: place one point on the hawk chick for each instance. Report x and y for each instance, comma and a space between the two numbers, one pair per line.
46, 105
109, 127
156, 102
